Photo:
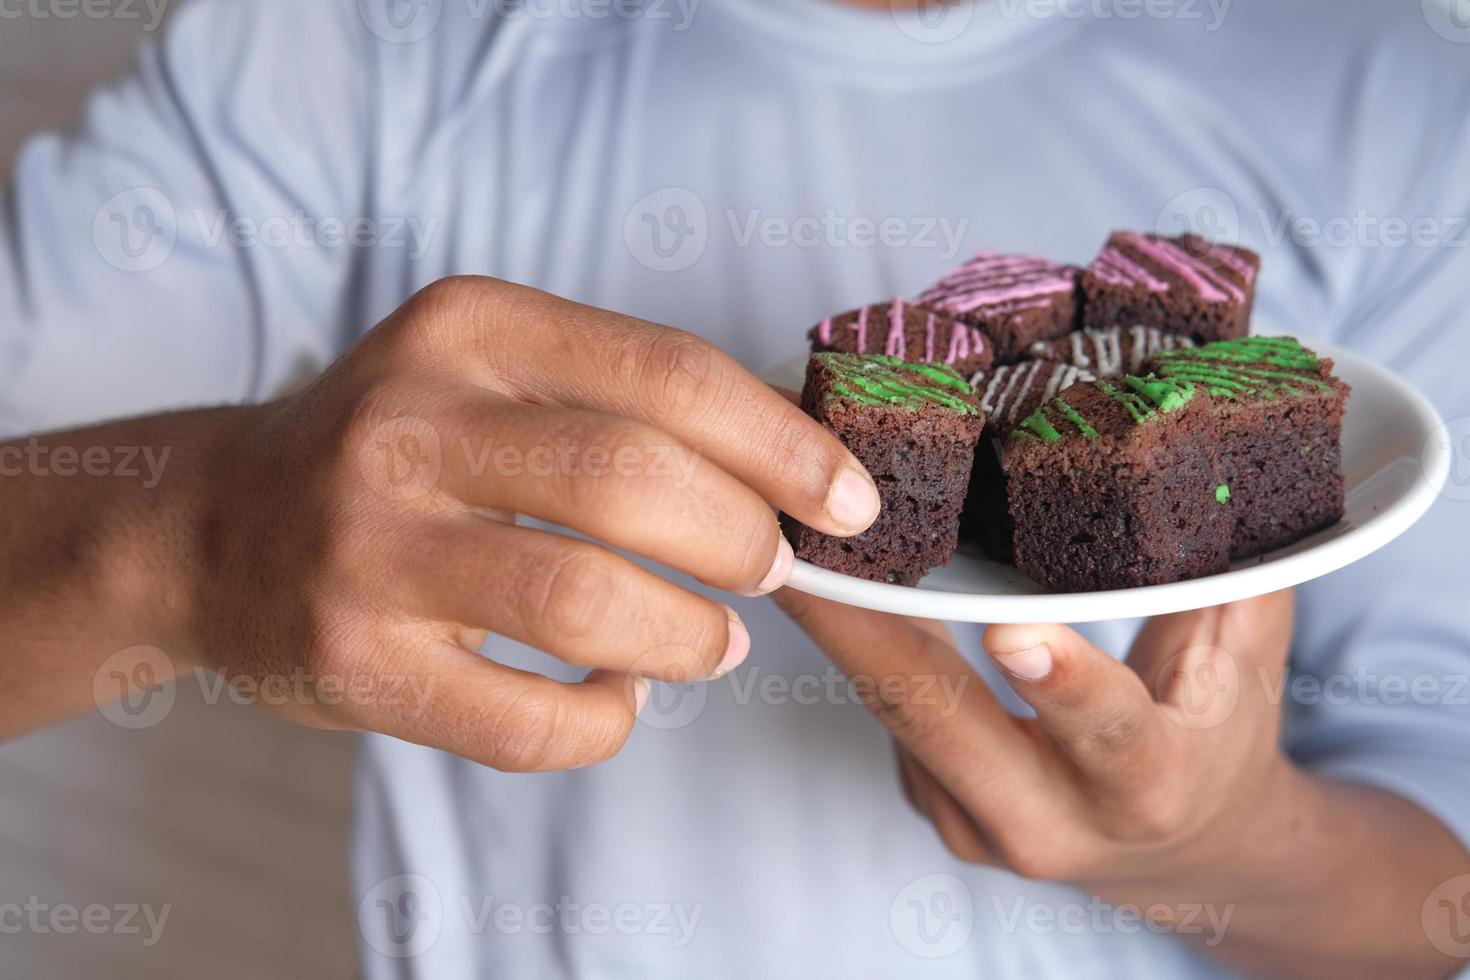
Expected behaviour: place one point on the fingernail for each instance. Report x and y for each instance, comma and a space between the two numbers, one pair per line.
780, 569
1032, 663
642, 687
738, 648
853, 502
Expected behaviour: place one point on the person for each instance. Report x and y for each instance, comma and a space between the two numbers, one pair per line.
277, 177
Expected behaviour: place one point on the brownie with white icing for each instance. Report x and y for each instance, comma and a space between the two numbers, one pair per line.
908, 332
1016, 300
1186, 285
1111, 352
914, 427
1008, 394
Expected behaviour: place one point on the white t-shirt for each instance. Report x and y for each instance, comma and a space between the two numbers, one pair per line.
280, 174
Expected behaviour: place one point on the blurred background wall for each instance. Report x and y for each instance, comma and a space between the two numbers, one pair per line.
233, 820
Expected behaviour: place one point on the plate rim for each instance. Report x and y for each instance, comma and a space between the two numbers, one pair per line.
1265, 575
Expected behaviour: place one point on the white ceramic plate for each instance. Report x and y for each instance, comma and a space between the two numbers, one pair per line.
1396, 458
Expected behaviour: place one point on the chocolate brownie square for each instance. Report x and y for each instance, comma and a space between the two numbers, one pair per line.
1008, 394
1186, 285
1115, 484
1280, 445
914, 426
1109, 353
1015, 299
907, 332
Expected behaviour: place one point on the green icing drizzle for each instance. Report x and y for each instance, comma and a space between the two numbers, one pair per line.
1168, 394
876, 379
1040, 426
1222, 493
1071, 415
1234, 368
1137, 405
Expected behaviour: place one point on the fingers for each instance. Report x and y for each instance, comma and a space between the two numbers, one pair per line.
956, 828
1208, 662
1096, 708
546, 349
509, 719
623, 482
570, 598
932, 701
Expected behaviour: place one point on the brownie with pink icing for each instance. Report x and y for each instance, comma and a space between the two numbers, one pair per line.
896, 328
1016, 300
1186, 285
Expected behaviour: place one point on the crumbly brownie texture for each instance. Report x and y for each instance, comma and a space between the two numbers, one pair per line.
1109, 353
914, 426
1008, 394
1222, 452
1112, 485
1015, 299
1186, 285
1281, 435
907, 332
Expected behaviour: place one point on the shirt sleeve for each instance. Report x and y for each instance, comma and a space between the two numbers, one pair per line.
193, 241
1380, 692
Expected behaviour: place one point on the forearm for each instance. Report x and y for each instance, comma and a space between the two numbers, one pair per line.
1332, 883
98, 530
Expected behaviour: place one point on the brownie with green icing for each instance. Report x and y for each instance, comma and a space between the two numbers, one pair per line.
914, 427
1217, 453
1280, 442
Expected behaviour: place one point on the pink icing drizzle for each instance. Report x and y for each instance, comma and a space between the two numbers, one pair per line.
989, 280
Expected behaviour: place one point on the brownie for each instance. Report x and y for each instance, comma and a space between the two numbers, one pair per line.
1008, 394
914, 426
1109, 353
907, 332
1114, 484
1186, 285
1281, 435
1221, 453
1015, 299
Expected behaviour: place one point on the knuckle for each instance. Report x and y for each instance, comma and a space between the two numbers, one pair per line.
1038, 860
521, 735
619, 490
1153, 812
961, 840
571, 595
674, 372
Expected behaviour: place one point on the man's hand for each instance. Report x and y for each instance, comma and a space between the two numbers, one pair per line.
364, 528
1158, 782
